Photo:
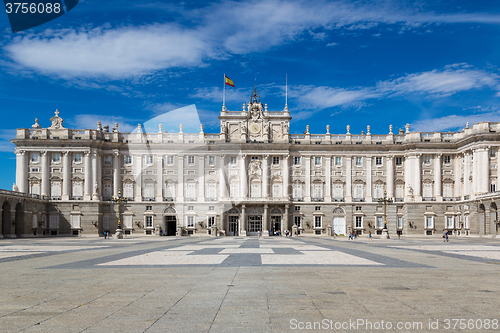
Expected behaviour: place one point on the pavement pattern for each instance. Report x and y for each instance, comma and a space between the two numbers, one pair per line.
248, 284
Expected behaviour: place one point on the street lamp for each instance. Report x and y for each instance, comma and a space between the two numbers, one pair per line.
119, 199
385, 201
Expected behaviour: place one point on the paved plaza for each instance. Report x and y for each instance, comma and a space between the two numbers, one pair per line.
247, 284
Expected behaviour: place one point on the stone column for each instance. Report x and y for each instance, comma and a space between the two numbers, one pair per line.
284, 223
95, 181
437, 178
138, 179
159, 178
265, 176
88, 177
243, 224
408, 172
467, 189
44, 191
484, 172
457, 190
222, 178
286, 168
66, 185
180, 178
369, 179
328, 180
418, 177
22, 171
390, 176
348, 179
308, 179
243, 176
116, 173
265, 222
201, 178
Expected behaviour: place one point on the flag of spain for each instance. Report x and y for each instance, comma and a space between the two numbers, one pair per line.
228, 81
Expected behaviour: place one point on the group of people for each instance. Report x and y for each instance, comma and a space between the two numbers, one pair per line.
445, 235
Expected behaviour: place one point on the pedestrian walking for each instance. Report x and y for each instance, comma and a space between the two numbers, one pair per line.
370, 235
444, 235
258, 234
105, 235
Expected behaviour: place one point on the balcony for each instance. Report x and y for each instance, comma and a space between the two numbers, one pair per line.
338, 199
448, 199
318, 199
190, 199
55, 198
399, 199
359, 200
428, 199
298, 199
76, 198
168, 199
148, 199
210, 199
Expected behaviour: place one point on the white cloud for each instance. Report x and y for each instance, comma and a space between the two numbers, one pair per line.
219, 30
111, 53
332, 44
433, 84
453, 122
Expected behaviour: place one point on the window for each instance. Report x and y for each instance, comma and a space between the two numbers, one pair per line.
447, 159
255, 191
317, 221
107, 159
276, 160
149, 190
359, 161
399, 161
75, 221
492, 188
427, 193
211, 221
378, 160
318, 191
170, 160
399, 222
190, 207
211, 207
77, 189
380, 222
35, 157
449, 222
55, 190
190, 160
255, 158
78, 157
317, 161
211, 160
379, 191
317, 207
35, 188
190, 221
276, 190
466, 221
191, 190
233, 160
338, 161
127, 221
429, 222
149, 159
359, 222
296, 208
448, 190
211, 191
400, 191
54, 221
128, 159
427, 159
233, 190
358, 191
105, 222
493, 152
128, 190
170, 190
297, 220
56, 157
149, 221
297, 191
149, 207
358, 208
338, 191
296, 160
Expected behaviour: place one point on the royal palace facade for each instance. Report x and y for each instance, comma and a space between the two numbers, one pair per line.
253, 176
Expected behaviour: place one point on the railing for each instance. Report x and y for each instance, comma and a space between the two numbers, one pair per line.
168, 199
338, 199
76, 198
55, 197
210, 199
399, 199
428, 199
448, 199
148, 199
298, 199
190, 199
359, 200
318, 199
24, 195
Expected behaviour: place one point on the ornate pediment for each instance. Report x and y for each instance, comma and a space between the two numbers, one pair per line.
57, 122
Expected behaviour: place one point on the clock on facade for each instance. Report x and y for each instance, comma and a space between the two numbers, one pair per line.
254, 128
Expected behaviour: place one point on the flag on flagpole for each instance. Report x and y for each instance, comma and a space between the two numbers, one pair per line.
228, 81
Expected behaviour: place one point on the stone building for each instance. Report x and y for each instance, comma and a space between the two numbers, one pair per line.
256, 176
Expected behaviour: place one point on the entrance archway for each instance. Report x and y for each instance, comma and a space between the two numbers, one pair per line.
482, 219
338, 223
233, 218
169, 222
275, 221
493, 219
19, 220
6, 219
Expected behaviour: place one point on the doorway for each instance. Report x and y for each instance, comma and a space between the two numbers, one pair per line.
170, 225
275, 224
254, 224
233, 226
339, 225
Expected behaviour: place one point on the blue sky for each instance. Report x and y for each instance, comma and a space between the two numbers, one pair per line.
433, 64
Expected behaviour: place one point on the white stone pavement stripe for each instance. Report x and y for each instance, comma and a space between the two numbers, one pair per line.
15, 254
316, 258
481, 254
247, 250
168, 258
449, 247
42, 248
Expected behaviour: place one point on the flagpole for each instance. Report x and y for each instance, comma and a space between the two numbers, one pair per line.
286, 90
224, 92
